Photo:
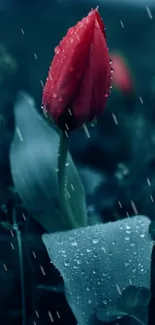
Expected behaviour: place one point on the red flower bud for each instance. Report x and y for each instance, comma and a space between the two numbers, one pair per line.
79, 78
122, 79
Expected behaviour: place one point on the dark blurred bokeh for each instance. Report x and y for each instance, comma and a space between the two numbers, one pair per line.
115, 158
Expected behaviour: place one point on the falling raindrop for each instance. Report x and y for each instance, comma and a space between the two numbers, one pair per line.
34, 254
149, 12
12, 246
115, 118
118, 289
50, 316
5, 267
35, 55
148, 182
42, 270
86, 131
58, 315
19, 134
121, 23
37, 314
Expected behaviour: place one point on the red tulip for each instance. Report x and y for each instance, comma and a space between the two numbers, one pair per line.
79, 78
122, 79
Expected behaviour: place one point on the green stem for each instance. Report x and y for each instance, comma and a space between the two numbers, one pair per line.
61, 182
20, 251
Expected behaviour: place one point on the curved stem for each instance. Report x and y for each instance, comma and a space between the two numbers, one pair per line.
61, 182
20, 251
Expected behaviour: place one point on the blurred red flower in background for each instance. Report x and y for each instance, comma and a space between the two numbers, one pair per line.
122, 78
79, 78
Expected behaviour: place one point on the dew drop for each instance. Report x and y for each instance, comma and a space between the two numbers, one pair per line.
66, 264
88, 250
78, 262
126, 264
74, 243
103, 249
95, 241
126, 238
57, 50
55, 95
105, 302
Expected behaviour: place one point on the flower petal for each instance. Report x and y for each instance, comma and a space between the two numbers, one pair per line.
67, 67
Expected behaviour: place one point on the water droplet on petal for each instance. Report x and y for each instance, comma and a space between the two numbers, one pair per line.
57, 49
55, 95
